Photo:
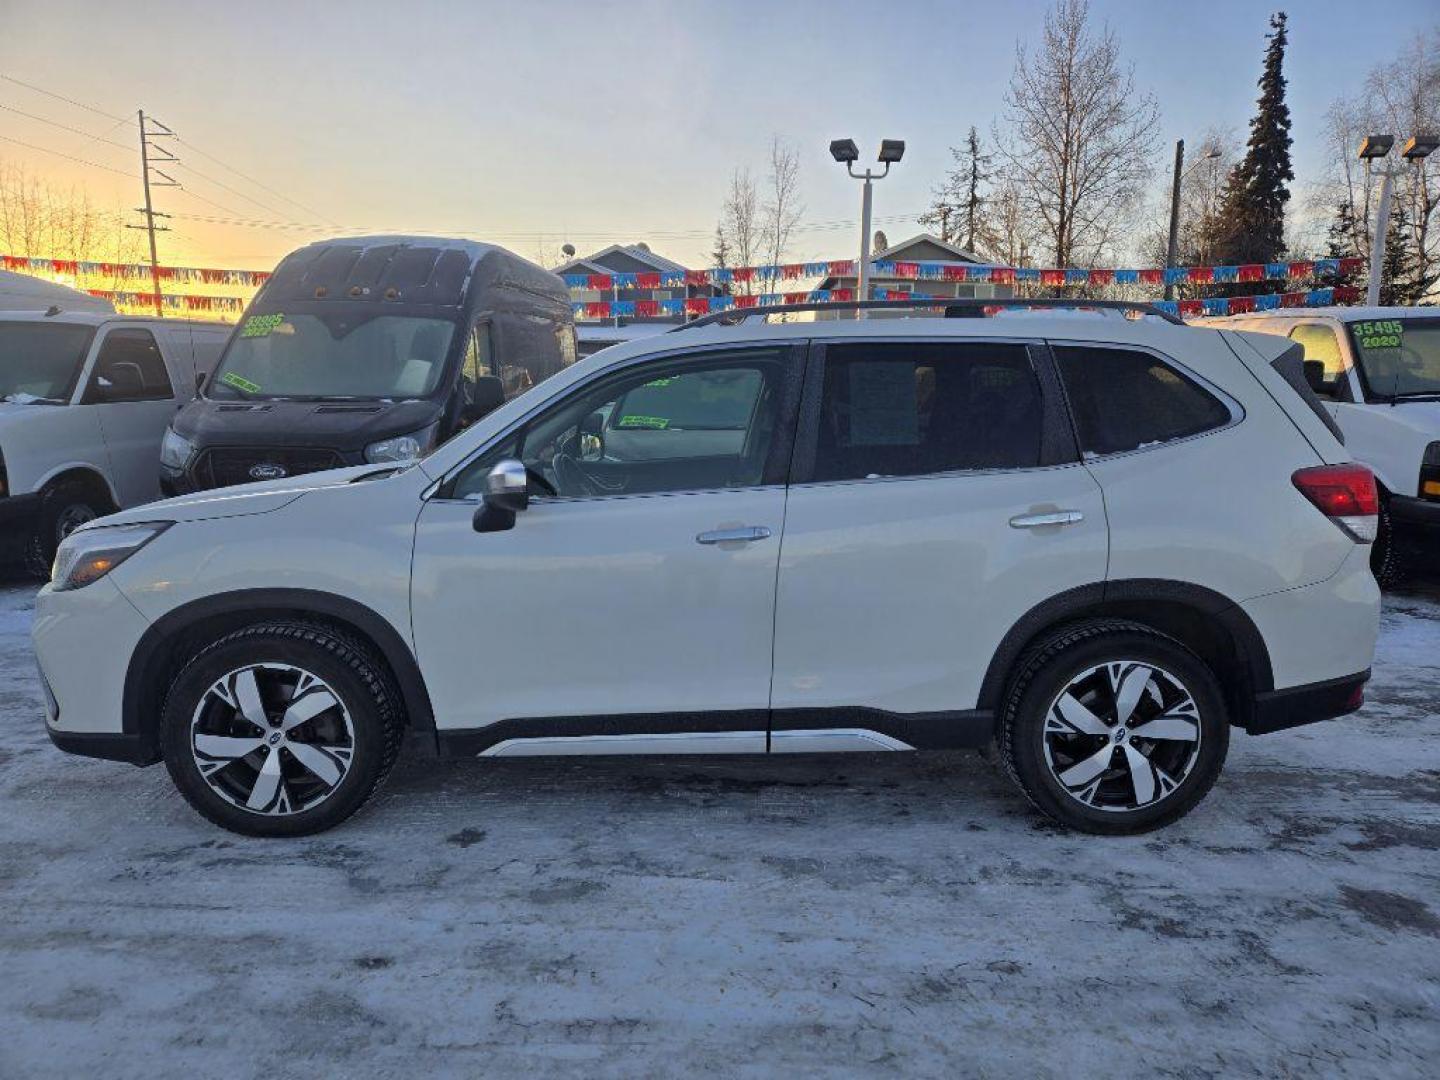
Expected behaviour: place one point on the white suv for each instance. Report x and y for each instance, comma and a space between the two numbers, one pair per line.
1095, 537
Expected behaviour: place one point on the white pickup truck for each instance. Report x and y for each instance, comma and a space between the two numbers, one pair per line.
1377, 369
85, 397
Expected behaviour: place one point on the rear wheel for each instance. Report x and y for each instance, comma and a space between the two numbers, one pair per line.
63, 509
281, 729
1111, 727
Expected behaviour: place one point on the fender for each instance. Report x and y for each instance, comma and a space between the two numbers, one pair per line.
80, 466
140, 710
1121, 598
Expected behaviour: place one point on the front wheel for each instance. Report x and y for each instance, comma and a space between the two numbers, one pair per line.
281, 729
1111, 727
63, 509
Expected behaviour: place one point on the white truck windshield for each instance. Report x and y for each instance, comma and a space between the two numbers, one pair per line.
1400, 357
333, 356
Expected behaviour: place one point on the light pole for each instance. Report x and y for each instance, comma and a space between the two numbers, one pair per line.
1376, 148
847, 153
1211, 153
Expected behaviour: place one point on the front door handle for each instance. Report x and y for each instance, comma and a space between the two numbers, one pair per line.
1053, 517
744, 535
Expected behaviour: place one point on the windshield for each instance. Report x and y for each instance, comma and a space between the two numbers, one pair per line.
41, 361
1400, 357
333, 356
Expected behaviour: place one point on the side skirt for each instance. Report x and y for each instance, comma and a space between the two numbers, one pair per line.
750, 731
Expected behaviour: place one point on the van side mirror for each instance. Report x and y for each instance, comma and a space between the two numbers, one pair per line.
507, 492
487, 395
1315, 376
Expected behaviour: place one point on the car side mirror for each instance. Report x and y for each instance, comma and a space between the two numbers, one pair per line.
1315, 376
487, 395
507, 492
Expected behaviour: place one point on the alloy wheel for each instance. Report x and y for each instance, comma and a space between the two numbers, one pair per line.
273, 739
1122, 736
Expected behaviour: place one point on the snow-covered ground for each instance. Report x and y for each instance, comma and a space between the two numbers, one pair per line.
906, 914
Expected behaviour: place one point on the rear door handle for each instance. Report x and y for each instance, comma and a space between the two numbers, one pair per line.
743, 535
1054, 517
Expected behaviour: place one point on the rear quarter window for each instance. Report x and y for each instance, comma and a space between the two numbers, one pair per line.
1124, 399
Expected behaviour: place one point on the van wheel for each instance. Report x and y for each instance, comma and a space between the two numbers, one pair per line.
281, 729
63, 509
1386, 561
1111, 727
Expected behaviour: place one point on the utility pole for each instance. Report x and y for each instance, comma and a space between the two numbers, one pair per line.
1174, 239
147, 148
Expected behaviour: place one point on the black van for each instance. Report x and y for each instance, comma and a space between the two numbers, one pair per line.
368, 349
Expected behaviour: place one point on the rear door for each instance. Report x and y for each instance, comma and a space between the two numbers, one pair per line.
936, 499
133, 394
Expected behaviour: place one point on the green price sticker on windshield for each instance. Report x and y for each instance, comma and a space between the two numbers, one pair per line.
261, 325
1381, 334
654, 423
240, 382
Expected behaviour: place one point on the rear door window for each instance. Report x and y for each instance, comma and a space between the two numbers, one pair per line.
918, 408
1125, 399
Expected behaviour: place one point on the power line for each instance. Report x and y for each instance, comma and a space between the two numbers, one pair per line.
63, 127
68, 101
70, 157
250, 179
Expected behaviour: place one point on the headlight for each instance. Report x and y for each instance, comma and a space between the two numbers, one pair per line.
402, 447
175, 450
90, 554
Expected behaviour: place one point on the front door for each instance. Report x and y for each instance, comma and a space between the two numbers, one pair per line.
131, 393
631, 606
937, 499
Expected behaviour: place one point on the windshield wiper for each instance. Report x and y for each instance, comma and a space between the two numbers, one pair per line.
1416, 395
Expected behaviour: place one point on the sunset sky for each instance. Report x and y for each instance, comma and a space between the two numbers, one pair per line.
532, 124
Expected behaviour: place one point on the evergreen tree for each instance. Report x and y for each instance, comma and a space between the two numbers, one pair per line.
1343, 242
1251, 224
958, 205
1399, 280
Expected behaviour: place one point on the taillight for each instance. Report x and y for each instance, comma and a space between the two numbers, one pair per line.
1346, 494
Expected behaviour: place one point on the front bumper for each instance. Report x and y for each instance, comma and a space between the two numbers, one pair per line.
84, 639
1419, 517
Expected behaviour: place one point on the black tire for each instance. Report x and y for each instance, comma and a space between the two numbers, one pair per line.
62, 509
1049, 667
1387, 561
357, 677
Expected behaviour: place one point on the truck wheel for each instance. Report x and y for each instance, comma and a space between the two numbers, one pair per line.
1111, 727
63, 509
1386, 561
281, 729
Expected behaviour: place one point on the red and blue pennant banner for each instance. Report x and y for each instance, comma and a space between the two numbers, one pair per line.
173, 301
995, 275
187, 275
703, 305
1221, 305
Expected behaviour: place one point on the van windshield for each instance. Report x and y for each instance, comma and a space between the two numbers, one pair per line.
41, 361
276, 355
1400, 357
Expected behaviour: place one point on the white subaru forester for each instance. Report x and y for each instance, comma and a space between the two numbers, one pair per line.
1093, 537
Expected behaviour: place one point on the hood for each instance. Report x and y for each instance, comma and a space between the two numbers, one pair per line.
1422, 417
347, 426
261, 498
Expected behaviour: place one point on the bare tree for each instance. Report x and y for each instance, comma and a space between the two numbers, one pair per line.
1202, 193
1006, 231
1401, 96
1079, 137
739, 226
41, 220
782, 209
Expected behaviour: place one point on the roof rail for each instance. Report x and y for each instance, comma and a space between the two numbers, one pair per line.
954, 309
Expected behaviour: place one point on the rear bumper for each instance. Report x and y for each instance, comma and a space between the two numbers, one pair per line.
1297, 705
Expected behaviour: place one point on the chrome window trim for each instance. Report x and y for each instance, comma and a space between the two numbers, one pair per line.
1236, 410
782, 346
